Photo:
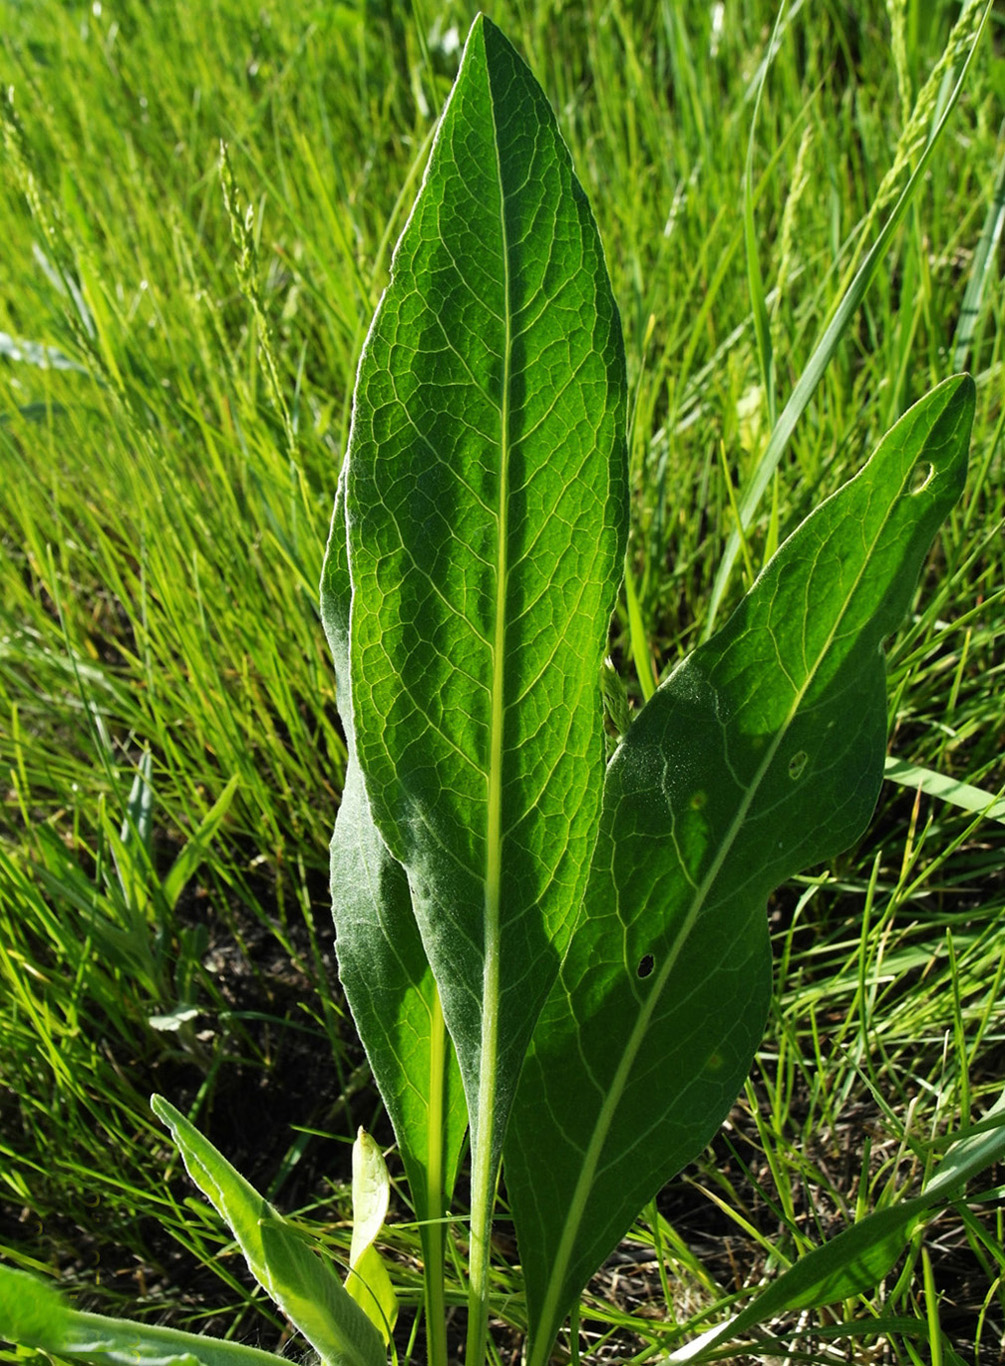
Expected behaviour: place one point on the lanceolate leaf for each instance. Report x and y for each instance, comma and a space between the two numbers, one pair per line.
303, 1284
486, 511
760, 755
382, 964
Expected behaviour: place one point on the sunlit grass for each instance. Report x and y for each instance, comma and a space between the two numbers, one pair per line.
164, 503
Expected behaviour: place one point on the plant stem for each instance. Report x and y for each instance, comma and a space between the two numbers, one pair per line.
482, 1190
484, 1160
434, 1231
484, 1163
436, 1306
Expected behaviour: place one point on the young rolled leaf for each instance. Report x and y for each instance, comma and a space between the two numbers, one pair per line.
34, 1314
382, 964
303, 1284
760, 755
368, 1282
486, 511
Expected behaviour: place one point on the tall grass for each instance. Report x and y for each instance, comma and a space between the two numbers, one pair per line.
176, 374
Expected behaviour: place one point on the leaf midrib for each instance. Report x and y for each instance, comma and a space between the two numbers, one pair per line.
636, 1038
493, 869
484, 1120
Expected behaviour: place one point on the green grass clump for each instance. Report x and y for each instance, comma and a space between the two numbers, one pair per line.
176, 366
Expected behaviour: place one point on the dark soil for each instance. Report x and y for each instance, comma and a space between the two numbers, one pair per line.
273, 1075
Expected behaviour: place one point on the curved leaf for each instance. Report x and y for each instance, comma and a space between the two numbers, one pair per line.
368, 1282
760, 755
303, 1284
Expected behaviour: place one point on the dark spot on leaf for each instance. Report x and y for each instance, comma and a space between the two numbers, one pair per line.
797, 763
645, 965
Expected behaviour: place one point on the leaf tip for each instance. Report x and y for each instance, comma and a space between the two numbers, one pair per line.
164, 1111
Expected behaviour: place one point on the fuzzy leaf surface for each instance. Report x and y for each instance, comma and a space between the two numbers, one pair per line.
486, 513
760, 755
382, 964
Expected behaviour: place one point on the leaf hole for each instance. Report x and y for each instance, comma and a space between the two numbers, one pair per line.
921, 476
796, 764
646, 965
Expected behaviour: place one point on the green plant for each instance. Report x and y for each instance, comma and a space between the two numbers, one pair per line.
595, 933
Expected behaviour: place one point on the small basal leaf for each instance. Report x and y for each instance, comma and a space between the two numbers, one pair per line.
302, 1283
760, 755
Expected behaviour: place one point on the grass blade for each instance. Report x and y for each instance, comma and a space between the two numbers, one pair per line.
964, 795
862, 1255
981, 271
825, 348
755, 281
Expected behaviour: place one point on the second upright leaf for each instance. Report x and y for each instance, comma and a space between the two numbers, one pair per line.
761, 754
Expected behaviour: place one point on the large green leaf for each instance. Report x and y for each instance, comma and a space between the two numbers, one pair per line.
486, 513
760, 755
382, 964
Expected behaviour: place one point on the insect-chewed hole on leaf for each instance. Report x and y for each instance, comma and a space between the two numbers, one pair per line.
797, 763
646, 965
921, 476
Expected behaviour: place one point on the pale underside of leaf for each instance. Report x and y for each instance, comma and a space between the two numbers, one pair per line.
762, 754
382, 964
